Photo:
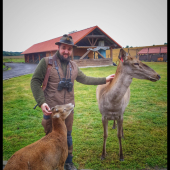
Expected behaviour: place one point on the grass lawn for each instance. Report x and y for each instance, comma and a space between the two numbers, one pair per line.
145, 122
14, 59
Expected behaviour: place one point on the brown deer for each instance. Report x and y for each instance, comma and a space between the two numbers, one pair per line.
113, 97
48, 153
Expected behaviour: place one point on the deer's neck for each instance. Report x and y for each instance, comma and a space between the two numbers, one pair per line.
58, 125
119, 85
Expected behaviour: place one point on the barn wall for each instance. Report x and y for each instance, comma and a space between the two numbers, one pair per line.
50, 53
79, 52
153, 57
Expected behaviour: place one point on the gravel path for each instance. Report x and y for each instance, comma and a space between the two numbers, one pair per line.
18, 69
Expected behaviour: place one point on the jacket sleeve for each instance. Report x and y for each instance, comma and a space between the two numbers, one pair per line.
37, 80
82, 78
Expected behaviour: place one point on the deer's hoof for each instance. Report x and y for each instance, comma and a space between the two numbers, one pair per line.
102, 158
121, 159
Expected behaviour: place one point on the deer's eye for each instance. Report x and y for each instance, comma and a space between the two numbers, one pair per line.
136, 63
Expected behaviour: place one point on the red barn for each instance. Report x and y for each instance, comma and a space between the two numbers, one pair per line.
153, 54
90, 41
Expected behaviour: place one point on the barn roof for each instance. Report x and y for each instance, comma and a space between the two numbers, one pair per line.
77, 37
153, 50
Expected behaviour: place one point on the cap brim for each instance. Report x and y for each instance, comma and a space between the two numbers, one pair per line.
58, 43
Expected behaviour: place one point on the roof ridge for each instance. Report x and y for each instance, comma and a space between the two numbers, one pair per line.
61, 36
82, 30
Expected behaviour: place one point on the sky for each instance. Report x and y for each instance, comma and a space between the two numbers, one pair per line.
129, 22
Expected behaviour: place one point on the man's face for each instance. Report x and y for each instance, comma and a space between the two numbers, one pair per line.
65, 50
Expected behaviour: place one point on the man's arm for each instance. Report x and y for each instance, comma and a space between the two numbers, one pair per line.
82, 78
37, 80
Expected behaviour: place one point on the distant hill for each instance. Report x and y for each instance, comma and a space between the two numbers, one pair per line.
9, 53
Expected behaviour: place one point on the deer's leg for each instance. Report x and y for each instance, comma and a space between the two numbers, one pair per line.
105, 127
119, 135
114, 124
122, 133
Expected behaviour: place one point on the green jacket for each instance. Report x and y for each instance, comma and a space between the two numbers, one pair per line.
39, 74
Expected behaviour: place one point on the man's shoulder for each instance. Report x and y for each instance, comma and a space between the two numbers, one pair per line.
74, 63
48, 60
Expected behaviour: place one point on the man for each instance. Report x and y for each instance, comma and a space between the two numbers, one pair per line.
59, 91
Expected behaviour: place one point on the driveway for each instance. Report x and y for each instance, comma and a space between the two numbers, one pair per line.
18, 69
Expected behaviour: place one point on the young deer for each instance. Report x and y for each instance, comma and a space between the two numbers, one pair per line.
113, 97
48, 153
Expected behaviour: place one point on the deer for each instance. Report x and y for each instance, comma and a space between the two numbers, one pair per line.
113, 97
48, 153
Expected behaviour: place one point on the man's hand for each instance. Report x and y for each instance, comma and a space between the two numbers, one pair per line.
110, 77
45, 108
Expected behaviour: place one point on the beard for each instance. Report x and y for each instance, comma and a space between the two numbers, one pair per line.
64, 59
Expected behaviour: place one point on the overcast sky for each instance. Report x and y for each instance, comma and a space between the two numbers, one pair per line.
128, 22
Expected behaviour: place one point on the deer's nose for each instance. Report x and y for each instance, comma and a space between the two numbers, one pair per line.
158, 76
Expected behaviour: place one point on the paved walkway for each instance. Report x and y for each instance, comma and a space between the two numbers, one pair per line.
18, 69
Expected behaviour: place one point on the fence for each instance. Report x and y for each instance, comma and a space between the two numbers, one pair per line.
93, 62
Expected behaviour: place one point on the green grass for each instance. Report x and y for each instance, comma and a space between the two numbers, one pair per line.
14, 60
145, 122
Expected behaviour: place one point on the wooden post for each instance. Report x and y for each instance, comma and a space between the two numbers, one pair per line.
147, 54
33, 58
85, 54
90, 42
95, 42
111, 54
100, 54
39, 56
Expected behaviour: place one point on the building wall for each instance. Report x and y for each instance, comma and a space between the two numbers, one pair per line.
50, 53
132, 51
93, 62
153, 57
79, 52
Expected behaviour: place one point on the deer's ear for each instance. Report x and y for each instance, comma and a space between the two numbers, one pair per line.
52, 109
123, 55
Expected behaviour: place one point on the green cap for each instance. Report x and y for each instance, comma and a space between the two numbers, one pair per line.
66, 39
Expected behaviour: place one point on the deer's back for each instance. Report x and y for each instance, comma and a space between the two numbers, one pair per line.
42, 154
